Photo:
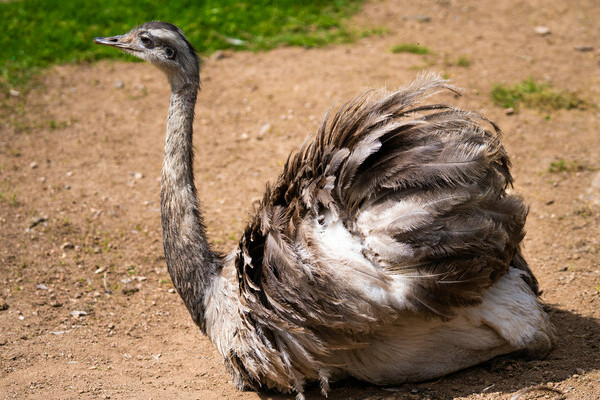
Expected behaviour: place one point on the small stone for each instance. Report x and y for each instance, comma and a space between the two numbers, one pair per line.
244, 136
418, 18
78, 313
218, 55
542, 30
56, 304
41, 286
99, 270
3, 304
43, 179
69, 173
119, 84
129, 291
509, 111
422, 18
266, 128
33, 165
171, 290
583, 48
14, 93
67, 246
138, 175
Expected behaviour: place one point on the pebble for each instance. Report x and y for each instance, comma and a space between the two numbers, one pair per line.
41, 286
130, 291
244, 136
61, 332
266, 128
119, 84
418, 18
509, 111
14, 93
78, 313
67, 245
583, 48
33, 165
218, 55
69, 173
138, 175
542, 30
3, 304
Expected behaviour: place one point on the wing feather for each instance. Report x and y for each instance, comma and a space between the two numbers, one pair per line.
418, 190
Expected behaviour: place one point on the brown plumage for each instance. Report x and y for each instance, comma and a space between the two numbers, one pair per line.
387, 250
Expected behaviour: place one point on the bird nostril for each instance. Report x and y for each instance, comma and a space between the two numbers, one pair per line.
114, 40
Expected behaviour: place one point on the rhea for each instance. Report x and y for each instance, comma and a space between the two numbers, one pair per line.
387, 250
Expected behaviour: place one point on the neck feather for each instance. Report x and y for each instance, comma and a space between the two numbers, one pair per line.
190, 261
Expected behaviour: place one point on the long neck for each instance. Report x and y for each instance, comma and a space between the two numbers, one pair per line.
190, 261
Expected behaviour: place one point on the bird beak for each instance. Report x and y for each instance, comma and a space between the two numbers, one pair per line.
113, 41
123, 42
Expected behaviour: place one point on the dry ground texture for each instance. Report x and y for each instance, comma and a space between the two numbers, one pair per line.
80, 158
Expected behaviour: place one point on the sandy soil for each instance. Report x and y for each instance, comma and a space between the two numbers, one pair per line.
80, 158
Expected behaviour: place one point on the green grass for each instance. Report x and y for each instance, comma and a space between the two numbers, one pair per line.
39, 33
568, 166
463, 61
413, 48
531, 94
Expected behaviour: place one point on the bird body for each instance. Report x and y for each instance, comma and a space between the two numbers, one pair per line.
388, 249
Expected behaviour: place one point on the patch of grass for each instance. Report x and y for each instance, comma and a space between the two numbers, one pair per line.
413, 48
39, 33
54, 125
11, 200
463, 61
541, 96
568, 166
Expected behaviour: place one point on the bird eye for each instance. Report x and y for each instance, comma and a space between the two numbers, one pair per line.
169, 52
146, 41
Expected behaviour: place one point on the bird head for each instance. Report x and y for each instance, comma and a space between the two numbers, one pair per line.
163, 45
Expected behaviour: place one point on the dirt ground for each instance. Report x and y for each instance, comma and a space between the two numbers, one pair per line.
88, 308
